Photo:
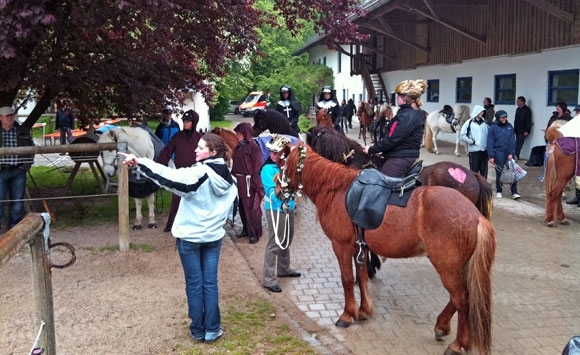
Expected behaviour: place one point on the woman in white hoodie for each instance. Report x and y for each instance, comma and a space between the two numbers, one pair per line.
474, 133
207, 192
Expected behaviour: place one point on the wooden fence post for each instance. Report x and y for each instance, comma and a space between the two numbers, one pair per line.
123, 199
42, 281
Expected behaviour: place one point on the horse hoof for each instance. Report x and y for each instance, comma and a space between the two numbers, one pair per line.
152, 225
439, 334
565, 222
136, 227
342, 324
449, 351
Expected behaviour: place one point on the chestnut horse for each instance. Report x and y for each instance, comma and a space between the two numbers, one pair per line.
560, 168
461, 251
341, 149
364, 112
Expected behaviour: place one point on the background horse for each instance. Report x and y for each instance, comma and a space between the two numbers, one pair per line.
139, 142
230, 138
324, 119
462, 251
436, 122
364, 113
560, 168
273, 121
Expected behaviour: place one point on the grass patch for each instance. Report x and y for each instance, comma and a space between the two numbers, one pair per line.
250, 328
133, 246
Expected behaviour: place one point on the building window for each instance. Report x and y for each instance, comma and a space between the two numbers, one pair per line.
505, 89
433, 90
463, 90
339, 62
563, 86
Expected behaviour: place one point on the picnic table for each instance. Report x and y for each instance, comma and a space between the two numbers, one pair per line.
78, 132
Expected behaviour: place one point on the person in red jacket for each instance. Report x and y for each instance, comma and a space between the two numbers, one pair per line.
182, 148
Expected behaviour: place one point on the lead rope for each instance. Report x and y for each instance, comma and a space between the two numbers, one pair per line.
285, 242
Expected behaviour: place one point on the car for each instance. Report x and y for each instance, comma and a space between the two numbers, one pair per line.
234, 107
253, 103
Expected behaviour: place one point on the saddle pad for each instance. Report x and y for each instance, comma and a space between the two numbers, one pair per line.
568, 146
369, 194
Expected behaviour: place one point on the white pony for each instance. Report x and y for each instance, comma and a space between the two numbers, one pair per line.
140, 143
437, 121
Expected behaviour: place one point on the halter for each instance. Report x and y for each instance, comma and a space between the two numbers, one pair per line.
287, 193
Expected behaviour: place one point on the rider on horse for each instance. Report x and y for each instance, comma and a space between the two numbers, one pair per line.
289, 107
330, 104
402, 143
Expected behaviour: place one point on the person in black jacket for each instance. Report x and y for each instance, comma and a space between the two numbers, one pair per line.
329, 102
402, 143
522, 124
350, 111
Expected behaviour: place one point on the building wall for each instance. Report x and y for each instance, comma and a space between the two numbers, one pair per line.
531, 82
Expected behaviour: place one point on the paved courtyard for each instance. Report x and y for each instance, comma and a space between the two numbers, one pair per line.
536, 281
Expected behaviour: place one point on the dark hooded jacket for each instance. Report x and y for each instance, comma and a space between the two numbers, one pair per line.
182, 145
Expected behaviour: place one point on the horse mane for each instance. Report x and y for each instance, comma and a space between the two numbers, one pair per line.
364, 106
336, 177
273, 121
336, 147
552, 133
386, 111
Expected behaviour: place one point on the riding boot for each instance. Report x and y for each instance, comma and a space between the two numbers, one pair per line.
575, 200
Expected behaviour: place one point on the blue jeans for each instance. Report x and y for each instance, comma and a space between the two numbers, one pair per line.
200, 266
13, 185
65, 135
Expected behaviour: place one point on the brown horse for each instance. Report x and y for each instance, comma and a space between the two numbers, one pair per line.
341, 149
560, 168
230, 138
461, 250
324, 119
364, 112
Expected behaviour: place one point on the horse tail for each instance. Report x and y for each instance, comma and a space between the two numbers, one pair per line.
484, 204
477, 277
428, 136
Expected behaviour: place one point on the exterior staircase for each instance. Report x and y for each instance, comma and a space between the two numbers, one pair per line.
373, 81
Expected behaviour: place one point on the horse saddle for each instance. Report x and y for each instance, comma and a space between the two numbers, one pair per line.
368, 196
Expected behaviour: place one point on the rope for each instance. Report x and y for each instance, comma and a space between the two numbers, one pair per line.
57, 198
37, 337
285, 242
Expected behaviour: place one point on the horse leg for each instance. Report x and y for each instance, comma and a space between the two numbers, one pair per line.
362, 278
443, 325
138, 215
434, 139
344, 256
151, 204
458, 302
457, 144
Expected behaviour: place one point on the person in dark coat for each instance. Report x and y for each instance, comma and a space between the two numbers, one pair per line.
289, 107
350, 111
522, 124
402, 144
246, 167
501, 146
489, 111
182, 148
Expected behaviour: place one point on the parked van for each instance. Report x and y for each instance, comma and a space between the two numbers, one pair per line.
234, 107
255, 101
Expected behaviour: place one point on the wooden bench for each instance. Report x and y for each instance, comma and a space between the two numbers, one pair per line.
78, 132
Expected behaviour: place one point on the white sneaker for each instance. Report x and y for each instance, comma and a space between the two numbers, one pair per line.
516, 196
499, 195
